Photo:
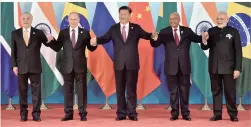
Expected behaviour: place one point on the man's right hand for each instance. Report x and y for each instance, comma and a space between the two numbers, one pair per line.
15, 70
94, 41
205, 37
49, 37
155, 36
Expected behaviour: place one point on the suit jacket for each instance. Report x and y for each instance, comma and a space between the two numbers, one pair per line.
73, 58
27, 58
174, 54
225, 51
125, 53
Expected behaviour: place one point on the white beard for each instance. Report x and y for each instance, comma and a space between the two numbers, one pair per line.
222, 25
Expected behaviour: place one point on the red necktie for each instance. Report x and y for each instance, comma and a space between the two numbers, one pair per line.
176, 37
73, 38
124, 34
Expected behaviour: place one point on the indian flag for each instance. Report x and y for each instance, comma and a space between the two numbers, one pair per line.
44, 19
203, 18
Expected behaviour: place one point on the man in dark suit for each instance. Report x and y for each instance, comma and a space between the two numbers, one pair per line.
125, 37
74, 41
225, 61
26, 63
176, 40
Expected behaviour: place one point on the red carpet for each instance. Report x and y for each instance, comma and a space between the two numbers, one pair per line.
154, 116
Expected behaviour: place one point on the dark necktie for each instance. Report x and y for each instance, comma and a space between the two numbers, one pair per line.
73, 38
124, 34
176, 37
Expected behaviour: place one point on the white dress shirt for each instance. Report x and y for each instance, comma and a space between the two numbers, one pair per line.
178, 32
76, 33
28, 32
126, 28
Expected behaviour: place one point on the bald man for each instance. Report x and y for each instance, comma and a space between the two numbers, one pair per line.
74, 41
176, 40
26, 64
225, 61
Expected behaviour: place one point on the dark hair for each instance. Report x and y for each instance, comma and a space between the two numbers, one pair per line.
125, 8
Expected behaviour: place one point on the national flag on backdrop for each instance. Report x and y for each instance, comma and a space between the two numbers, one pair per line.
100, 62
199, 59
166, 8
240, 19
147, 78
8, 79
44, 19
80, 8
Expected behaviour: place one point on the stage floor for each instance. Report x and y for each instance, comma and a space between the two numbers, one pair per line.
154, 116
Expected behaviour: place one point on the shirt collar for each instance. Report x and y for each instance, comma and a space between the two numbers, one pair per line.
76, 29
126, 25
29, 29
178, 28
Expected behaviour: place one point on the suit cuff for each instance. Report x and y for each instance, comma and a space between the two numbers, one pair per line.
205, 43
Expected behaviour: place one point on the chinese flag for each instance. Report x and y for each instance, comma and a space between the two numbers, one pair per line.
147, 78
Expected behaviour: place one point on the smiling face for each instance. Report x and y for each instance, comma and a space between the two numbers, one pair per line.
73, 20
222, 19
124, 16
174, 19
26, 20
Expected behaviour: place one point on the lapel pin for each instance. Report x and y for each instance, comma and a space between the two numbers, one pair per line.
132, 28
229, 36
81, 32
181, 32
33, 32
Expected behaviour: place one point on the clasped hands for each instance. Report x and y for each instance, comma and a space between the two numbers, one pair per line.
154, 36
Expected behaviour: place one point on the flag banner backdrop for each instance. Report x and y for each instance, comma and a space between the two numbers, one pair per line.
98, 17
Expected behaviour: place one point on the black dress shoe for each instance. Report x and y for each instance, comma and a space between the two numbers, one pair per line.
67, 118
133, 118
120, 118
187, 118
83, 118
23, 118
174, 118
37, 119
234, 119
215, 118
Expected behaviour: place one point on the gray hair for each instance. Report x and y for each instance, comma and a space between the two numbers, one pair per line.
223, 13
175, 13
74, 13
27, 13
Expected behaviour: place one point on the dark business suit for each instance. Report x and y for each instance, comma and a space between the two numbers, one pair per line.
177, 66
126, 65
74, 66
27, 59
225, 56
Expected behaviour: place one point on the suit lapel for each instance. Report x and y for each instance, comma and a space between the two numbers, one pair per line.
32, 34
171, 34
20, 34
67, 35
119, 32
79, 37
129, 32
181, 35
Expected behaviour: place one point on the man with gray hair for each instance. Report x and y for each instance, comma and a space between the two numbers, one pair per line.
73, 67
225, 61
177, 40
26, 64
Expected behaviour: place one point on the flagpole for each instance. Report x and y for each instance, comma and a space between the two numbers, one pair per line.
106, 106
140, 106
75, 102
206, 106
168, 108
240, 107
10, 106
43, 106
